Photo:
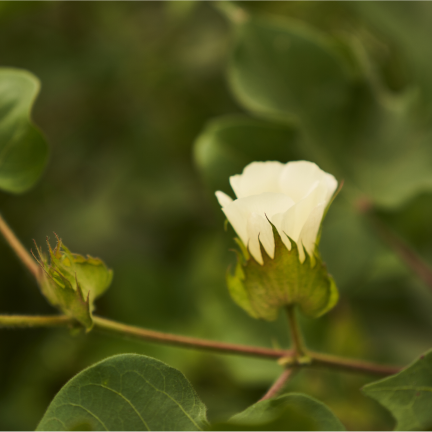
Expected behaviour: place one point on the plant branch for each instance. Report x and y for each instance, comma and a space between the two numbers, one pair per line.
350, 365
131, 332
286, 357
20, 321
19, 249
296, 336
279, 384
403, 250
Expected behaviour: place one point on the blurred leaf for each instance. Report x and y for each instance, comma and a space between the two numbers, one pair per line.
262, 290
407, 26
228, 144
408, 394
284, 68
126, 392
72, 282
289, 420
23, 150
323, 419
290, 412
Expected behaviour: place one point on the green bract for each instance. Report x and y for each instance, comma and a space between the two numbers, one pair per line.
72, 282
263, 289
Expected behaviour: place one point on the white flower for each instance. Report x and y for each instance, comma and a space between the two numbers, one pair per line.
291, 196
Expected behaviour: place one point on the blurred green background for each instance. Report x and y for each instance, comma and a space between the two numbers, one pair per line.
127, 88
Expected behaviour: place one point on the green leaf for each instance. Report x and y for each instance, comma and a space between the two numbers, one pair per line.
403, 27
23, 149
376, 140
407, 395
262, 290
290, 412
228, 144
126, 392
283, 68
288, 421
324, 420
72, 282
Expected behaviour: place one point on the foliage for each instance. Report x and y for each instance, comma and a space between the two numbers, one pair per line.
105, 397
23, 150
407, 394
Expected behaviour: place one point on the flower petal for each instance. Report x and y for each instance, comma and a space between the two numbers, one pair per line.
309, 232
259, 230
264, 206
292, 221
223, 198
257, 178
299, 178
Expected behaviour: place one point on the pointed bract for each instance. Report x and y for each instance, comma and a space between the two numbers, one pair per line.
262, 290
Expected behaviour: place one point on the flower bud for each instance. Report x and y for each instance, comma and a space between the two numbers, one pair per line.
72, 282
277, 216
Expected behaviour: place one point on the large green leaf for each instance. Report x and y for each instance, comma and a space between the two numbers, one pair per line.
407, 395
285, 68
404, 26
290, 412
126, 392
23, 149
228, 144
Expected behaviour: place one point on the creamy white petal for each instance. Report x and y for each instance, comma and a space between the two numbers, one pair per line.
238, 217
332, 185
299, 178
259, 230
309, 232
223, 198
293, 220
265, 206
257, 178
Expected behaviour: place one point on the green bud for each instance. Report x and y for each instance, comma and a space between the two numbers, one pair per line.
262, 289
72, 282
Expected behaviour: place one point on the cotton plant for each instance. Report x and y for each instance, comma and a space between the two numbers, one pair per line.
277, 215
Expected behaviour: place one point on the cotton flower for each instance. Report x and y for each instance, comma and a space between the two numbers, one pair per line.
292, 196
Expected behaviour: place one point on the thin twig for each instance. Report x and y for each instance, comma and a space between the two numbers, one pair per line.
19, 249
350, 365
406, 253
402, 249
285, 357
279, 384
131, 332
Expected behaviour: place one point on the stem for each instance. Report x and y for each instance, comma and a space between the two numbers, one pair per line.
274, 390
19, 249
296, 336
20, 321
132, 332
350, 365
404, 251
